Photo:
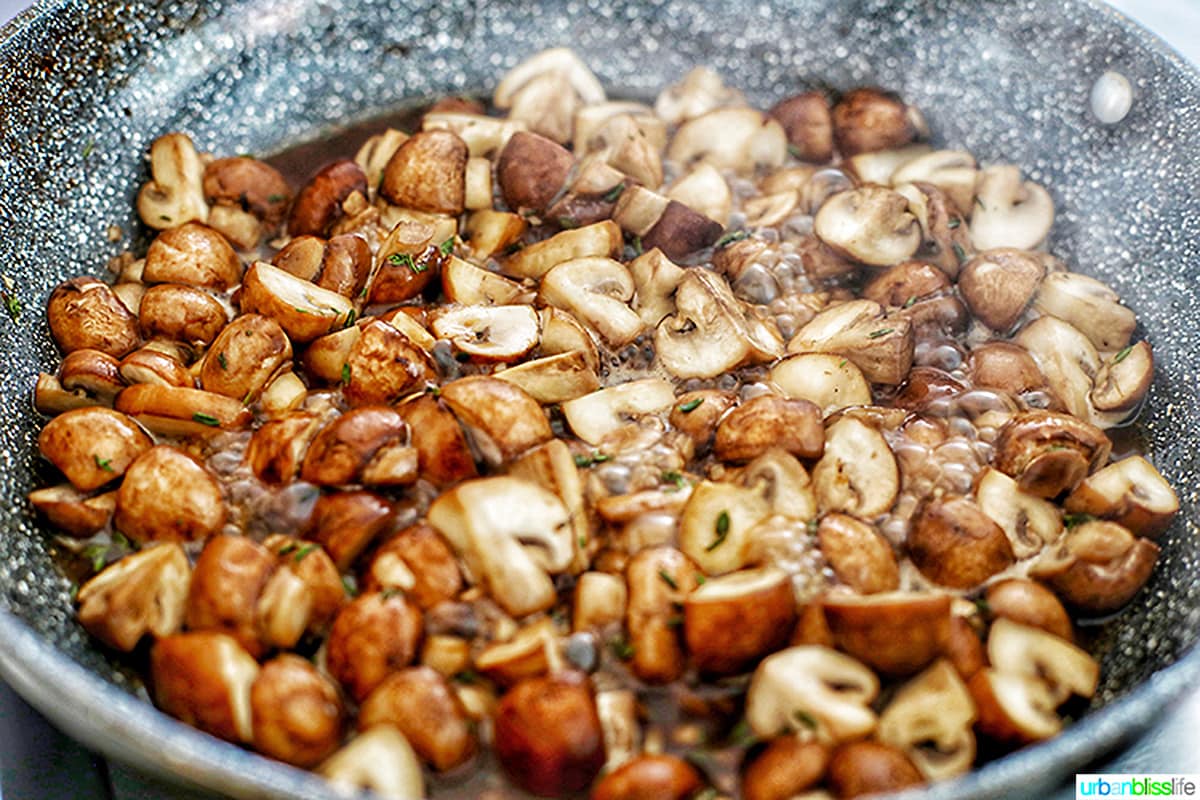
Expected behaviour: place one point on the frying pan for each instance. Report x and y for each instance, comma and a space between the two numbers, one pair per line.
88, 86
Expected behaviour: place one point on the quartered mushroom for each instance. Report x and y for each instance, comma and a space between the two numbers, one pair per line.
601, 239
319, 203
868, 119
954, 543
1090, 306
930, 718
379, 760
204, 679
1048, 453
598, 292
296, 713
92, 446
871, 225
660, 580
303, 309
1098, 566
881, 346
375, 635
1030, 522
421, 704
807, 121
857, 473
143, 593
952, 171
1009, 212
428, 173
501, 420
700, 91
545, 90
895, 633
858, 554
249, 199
175, 194
737, 139
1029, 603
1130, 492
705, 190
787, 768
732, 620
770, 421
72, 511
814, 691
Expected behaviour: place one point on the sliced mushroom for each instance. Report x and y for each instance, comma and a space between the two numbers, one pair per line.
1124, 379
156, 364
700, 91
231, 575
878, 166
249, 187
896, 633
204, 679
769, 421
295, 711
858, 473
945, 239
633, 145
738, 139
870, 224
832, 382
73, 512
512, 534
704, 190
428, 173
716, 525
1130, 492
1029, 522
859, 556
468, 284
731, 621
859, 331
528, 654
143, 593
953, 543
596, 415
1029, 603
592, 118
372, 637
867, 119
1009, 213
1064, 668
783, 483
659, 579
175, 194
858, 769
489, 233
552, 466
84, 313
483, 134
1013, 707
1049, 453
379, 760
597, 291
303, 309
553, 379
930, 719
501, 420
489, 333
443, 453
92, 446
1098, 566
817, 692
544, 91
603, 239
347, 445
319, 203
1069, 362
277, 448
1090, 306
420, 703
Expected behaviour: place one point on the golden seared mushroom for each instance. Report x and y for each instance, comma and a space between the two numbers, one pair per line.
1124, 379
276, 450
529, 653
954, 172
318, 204
953, 543
929, 719
531, 170
1049, 453
944, 237
786, 769
376, 151
598, 414
50, 398
896, 633
545, 90
511, 534
501, 420
379, 760
377, 634
1005, 366
548, 736
250, 194
157, 363
783, 483
1098, 566
554, 379
881, 346
73, 512
868, 119
598, 292
204, 678
649, 777
737, 139
1029, 603
175, 194
814, 691
600, 599
655, 278
488, 333
712, 331
488, 233
698, 413
770, 421
418, 562
245, 357
732, 620
409, 260
463, 282
680, 231
1064, 668
715, 529
601, 240
443, 454
859, 556
428, 173
1130, 492
999, 285
553, 467
345, 523
1013, 708
831, 382
181, 411
870, 224
296, 713
91, 373
367, 445
1090, 306
230, 576
660, 580
483, 135
92, 446
1009, 212
906, 284
638, 209
1029, 522
303, 309
383, 365
340, 265
182, 314
870, 768
168, 496
85, 313
807, 121
926, 386
631, 144
857, 473
192, 255
143, 593
310, 576
421, 705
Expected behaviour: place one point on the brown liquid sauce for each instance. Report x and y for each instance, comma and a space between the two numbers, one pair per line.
694, 719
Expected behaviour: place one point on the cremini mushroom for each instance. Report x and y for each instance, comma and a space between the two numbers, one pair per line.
599, 600
814, 691
870, 224
1130, 492
91, 373
377, 634
1069, 362
698, 92
716, 525
182, 314
428, 173
553, 379
705, 191
659, 579
168, 496
303, 309
463, 282
768, 421
1030, 522
896, 633
1123, 380
633, 144
1098, 566
501, 420
786, 769
419, 562
92, 446
929, 719
831, 382
443, 453
698, 413
680, 231
1064, 668
598, 292
783, 482
143, 593
864, 768
345, 448
545, 90
175, 193
868, 119
954, 543
245, 357
193, 255
296, 713
857, 473
231, 574
859, 556
881, 346
421, 705
490, 233
944, 238
807, 121
276, 450
158, 363
319, 203
1005, 366
732, 620
601, 239
346, 523
738, 139
952, 171
204, 678
1029, 603
342, 264
1090, 306
600, 413
1049, 453
660, 776
488, 333
532, 651
73, 512
249, 198
379, 760
1009, 212
85, 313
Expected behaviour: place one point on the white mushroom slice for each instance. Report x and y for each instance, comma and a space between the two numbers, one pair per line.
482, 134
639, 209
1009, 213
858, 472
880, 346
656, 278
590, 119
700, 91
1029, 522
562, 333
1090, 306
634, 146
379, 760
598, 292
739, 139
1068, 360
1014, 707
704, 190
715, 527
413, 330
176, 193
546, 103
554, 379
463, 282
869, 224
600, 599
478, 184
832, 382
1123, 379
303, 309
1130, 492
511, 534
552, 466
376, 152
596, 415
878, 166
930, 719
952, 171
489, 333
771, 209
144, 592
603, 239
559, 60
815, 691
712, 331
1065, 669
783, 482
489, 232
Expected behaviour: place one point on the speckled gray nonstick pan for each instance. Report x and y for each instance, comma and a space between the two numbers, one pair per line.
85, 88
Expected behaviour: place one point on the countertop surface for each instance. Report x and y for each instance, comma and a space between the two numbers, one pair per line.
39, 763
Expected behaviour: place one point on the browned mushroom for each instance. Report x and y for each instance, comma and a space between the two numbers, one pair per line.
1098, 566
377, 634
952, 542
421, 704
869, 119
84, 313
649, 777
296, 712
318, 204
1049, 453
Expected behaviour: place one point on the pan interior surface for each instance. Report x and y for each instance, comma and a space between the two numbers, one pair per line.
88, 87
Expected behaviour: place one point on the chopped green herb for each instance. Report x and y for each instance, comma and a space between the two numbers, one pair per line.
674, 477
433, 390
612, 194
1073, 519
350, 319
390, 592
707, 794
675, 621
13, 305
276, 198
247, 397
666, 578
621, 648
953, 223
979, 202
730, 238
880, 332
287, 548
206, 419
348, 586
1122, 354
811, 527
103, 463
303, 552
89, 148
909, 302
299, 310
345, 374
841, 363
982, 605
742, 735
446, 247
700, 579
97, 554
582, 541
74, 593
795, 152
466, 676
567, 222
690, 405
595, 458
363, 292
722, 531
637, 246
403, 260
122, 541
224, 362
805, 719
959, 253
